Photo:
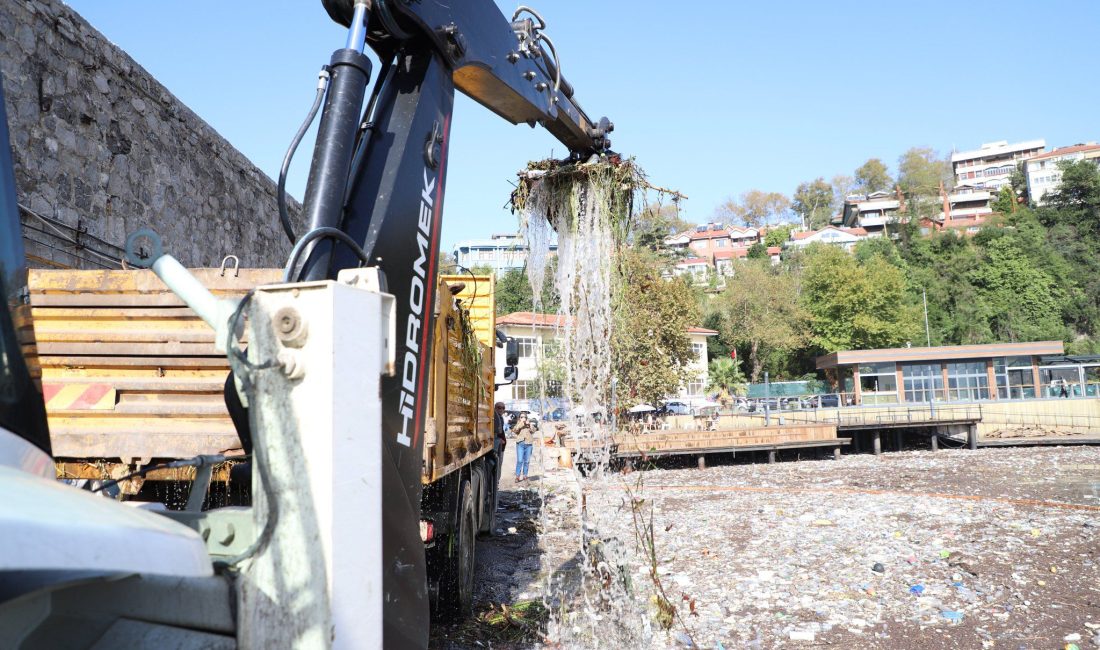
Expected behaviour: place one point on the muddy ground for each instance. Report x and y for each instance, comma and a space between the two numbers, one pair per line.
955, 549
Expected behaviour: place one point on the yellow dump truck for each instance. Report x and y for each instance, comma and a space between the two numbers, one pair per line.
131, 378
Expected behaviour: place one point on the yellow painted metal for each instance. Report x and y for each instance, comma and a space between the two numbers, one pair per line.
460, 403
127, 330
478, 296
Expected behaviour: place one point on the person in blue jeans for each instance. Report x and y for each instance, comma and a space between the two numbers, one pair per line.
524, 441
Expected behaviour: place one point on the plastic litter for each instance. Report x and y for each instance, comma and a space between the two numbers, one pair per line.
975, 563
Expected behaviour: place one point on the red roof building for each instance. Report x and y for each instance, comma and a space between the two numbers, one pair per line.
709, 239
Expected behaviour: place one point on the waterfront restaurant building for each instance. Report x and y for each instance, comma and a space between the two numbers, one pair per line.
997, 371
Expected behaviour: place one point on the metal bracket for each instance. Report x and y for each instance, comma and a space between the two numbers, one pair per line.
372, 279
236, 265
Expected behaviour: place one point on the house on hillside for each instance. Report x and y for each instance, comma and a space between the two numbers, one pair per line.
1043, 173
679, 242
965, 209
872, 212
697, 267
743, 237
541, 335
724, 260
707, 239
846, 238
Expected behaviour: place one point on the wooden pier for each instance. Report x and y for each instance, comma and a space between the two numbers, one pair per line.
772, 439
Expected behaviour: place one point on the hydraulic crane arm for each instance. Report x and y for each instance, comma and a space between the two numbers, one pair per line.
375, 195
510, 67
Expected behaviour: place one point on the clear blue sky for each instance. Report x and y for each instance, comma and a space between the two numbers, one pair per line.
713, 98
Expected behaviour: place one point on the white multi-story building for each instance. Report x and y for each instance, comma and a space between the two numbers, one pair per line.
1044, 174
499, 253
991, 165
872, 212
540, 334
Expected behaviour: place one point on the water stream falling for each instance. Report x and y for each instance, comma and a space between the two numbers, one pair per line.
587, 209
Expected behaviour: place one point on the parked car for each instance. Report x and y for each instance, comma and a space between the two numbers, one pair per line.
821, 401
675, 407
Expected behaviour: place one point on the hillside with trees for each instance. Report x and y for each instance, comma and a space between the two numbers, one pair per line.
1029, 274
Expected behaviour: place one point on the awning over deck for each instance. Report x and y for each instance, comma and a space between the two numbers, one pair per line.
939, 353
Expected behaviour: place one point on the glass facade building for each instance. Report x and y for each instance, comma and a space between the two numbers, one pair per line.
965, 373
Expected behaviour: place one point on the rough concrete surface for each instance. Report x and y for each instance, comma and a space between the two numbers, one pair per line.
955, 549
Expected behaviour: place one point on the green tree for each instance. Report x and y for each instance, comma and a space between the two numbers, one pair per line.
872, 176
549, 371
1021, 301
1018, 182
842, 185
940, 267
1072, 217
920, 174
651, 349
1005, 202
656, 223
754, 208
717, 348
853, 305
1077, 197
760, 312
513, 292
758, 251
882, 247
726, 373
447, 263
777, 236
813, 202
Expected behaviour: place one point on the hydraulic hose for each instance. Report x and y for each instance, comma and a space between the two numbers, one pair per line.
318, 233
284, 214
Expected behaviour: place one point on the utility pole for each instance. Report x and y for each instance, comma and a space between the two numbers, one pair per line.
767, 398
614, 407
927, 332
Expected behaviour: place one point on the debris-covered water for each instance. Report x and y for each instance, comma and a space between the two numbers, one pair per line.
995, 548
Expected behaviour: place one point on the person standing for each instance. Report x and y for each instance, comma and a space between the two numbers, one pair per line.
500, 429
524, 441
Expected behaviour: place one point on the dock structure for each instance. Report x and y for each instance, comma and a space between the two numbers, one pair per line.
861, 428
681, 442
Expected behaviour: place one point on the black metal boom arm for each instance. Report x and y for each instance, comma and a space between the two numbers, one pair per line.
378, 176
510, 67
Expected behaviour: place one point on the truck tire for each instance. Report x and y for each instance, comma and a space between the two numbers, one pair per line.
456, 588
488, 520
